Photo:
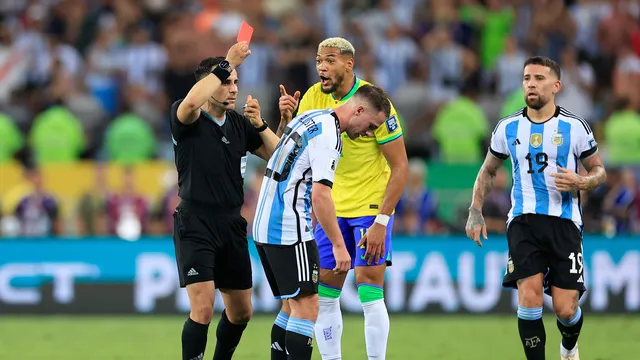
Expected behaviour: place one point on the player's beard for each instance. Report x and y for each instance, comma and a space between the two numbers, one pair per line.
335, 86
536, 103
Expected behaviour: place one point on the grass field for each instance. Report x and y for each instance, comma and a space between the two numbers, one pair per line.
414, 337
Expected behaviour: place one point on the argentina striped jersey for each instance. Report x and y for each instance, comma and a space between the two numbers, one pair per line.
308, 152
536, 151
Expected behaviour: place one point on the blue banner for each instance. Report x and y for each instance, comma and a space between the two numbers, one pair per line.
439, 274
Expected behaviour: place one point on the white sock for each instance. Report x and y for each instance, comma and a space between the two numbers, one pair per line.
376, 329
329, 329
565, 352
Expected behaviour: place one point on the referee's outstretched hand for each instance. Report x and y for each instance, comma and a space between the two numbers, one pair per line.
476, 226
237, 53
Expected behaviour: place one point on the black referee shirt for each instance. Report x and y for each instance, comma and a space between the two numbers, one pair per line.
211, 158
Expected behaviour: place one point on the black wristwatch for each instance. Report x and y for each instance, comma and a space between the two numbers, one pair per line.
222, 71
262, 128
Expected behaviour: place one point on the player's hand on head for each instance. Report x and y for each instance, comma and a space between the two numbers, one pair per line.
373, 240
476, 226
343, 259
252, 111
567, 180
287, 103
237, 53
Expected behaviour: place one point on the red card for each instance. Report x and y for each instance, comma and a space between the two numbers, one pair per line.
245, 33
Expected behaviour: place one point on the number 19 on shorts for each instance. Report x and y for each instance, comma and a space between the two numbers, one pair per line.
576, 263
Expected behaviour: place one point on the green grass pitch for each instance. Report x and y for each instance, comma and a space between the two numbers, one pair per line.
419, 337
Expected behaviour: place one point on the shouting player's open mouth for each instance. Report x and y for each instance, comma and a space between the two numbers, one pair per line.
325, 81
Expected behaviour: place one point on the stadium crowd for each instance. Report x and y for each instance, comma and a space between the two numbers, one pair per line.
93, 80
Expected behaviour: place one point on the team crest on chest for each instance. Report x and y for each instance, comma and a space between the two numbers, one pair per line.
536, 140
557, 139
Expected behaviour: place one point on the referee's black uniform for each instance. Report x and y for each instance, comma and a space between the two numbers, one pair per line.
210, 235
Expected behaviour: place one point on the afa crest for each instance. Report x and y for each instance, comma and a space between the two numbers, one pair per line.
557, 139
536, 140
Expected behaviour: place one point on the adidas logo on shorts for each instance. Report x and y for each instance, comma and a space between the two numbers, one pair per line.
581, 279
192, 272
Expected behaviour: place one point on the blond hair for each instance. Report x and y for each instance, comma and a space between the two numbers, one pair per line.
339, 43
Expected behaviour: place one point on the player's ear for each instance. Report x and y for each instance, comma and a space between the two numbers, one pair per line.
557, 87
350, 62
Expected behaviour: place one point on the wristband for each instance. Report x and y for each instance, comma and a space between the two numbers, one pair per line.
262, 128
221, 73
382, 219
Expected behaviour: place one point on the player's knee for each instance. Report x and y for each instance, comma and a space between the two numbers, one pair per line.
241, 315
305, 307
201, 312
370, 275
530, 297
565, 311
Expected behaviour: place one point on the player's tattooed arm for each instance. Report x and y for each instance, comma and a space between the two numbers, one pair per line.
596, 174
476, 226
484, 181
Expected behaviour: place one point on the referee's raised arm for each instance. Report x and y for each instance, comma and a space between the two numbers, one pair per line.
189, 108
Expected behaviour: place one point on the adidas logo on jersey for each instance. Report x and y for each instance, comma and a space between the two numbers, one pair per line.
516, 142
581, 279
224, 140
193, 272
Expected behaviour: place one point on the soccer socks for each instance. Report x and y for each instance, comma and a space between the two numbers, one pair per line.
328, 327
299, 339
194, 340
570, 330
278, 337
376, 320
228, 337
532, 332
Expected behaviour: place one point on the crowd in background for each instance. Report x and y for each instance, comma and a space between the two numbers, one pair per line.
94, 80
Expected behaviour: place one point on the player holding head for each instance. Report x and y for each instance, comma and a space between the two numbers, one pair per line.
544, 227
300, 175
369, 182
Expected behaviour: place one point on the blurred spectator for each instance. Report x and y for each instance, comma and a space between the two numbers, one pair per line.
129, 140
38, 212
92, 205
461, 128
622, 135
514, 102
618, 204
509, 68
56, 136
416, 213
12, 139
127, 211
251, 193
578, 81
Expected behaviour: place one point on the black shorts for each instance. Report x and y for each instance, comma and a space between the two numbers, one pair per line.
212, 246
548, 245
291, 269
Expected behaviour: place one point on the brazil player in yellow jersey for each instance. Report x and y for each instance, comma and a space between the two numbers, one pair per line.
368, 183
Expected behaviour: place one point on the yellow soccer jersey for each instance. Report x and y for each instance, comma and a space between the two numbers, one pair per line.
363, 173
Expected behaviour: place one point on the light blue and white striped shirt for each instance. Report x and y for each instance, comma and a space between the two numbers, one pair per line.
536, 151
308, 152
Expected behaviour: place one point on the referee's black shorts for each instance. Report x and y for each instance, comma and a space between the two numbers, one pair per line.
211, 245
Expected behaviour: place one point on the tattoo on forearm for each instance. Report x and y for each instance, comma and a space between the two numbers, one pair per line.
475, 218
483, 184
280, 130
595, 178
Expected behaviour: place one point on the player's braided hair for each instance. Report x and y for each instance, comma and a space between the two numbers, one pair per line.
376, 97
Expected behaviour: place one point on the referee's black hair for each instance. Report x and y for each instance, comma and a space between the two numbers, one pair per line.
546, 62
206, 65
376, 97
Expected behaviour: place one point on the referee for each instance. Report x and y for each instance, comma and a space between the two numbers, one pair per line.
211, 141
